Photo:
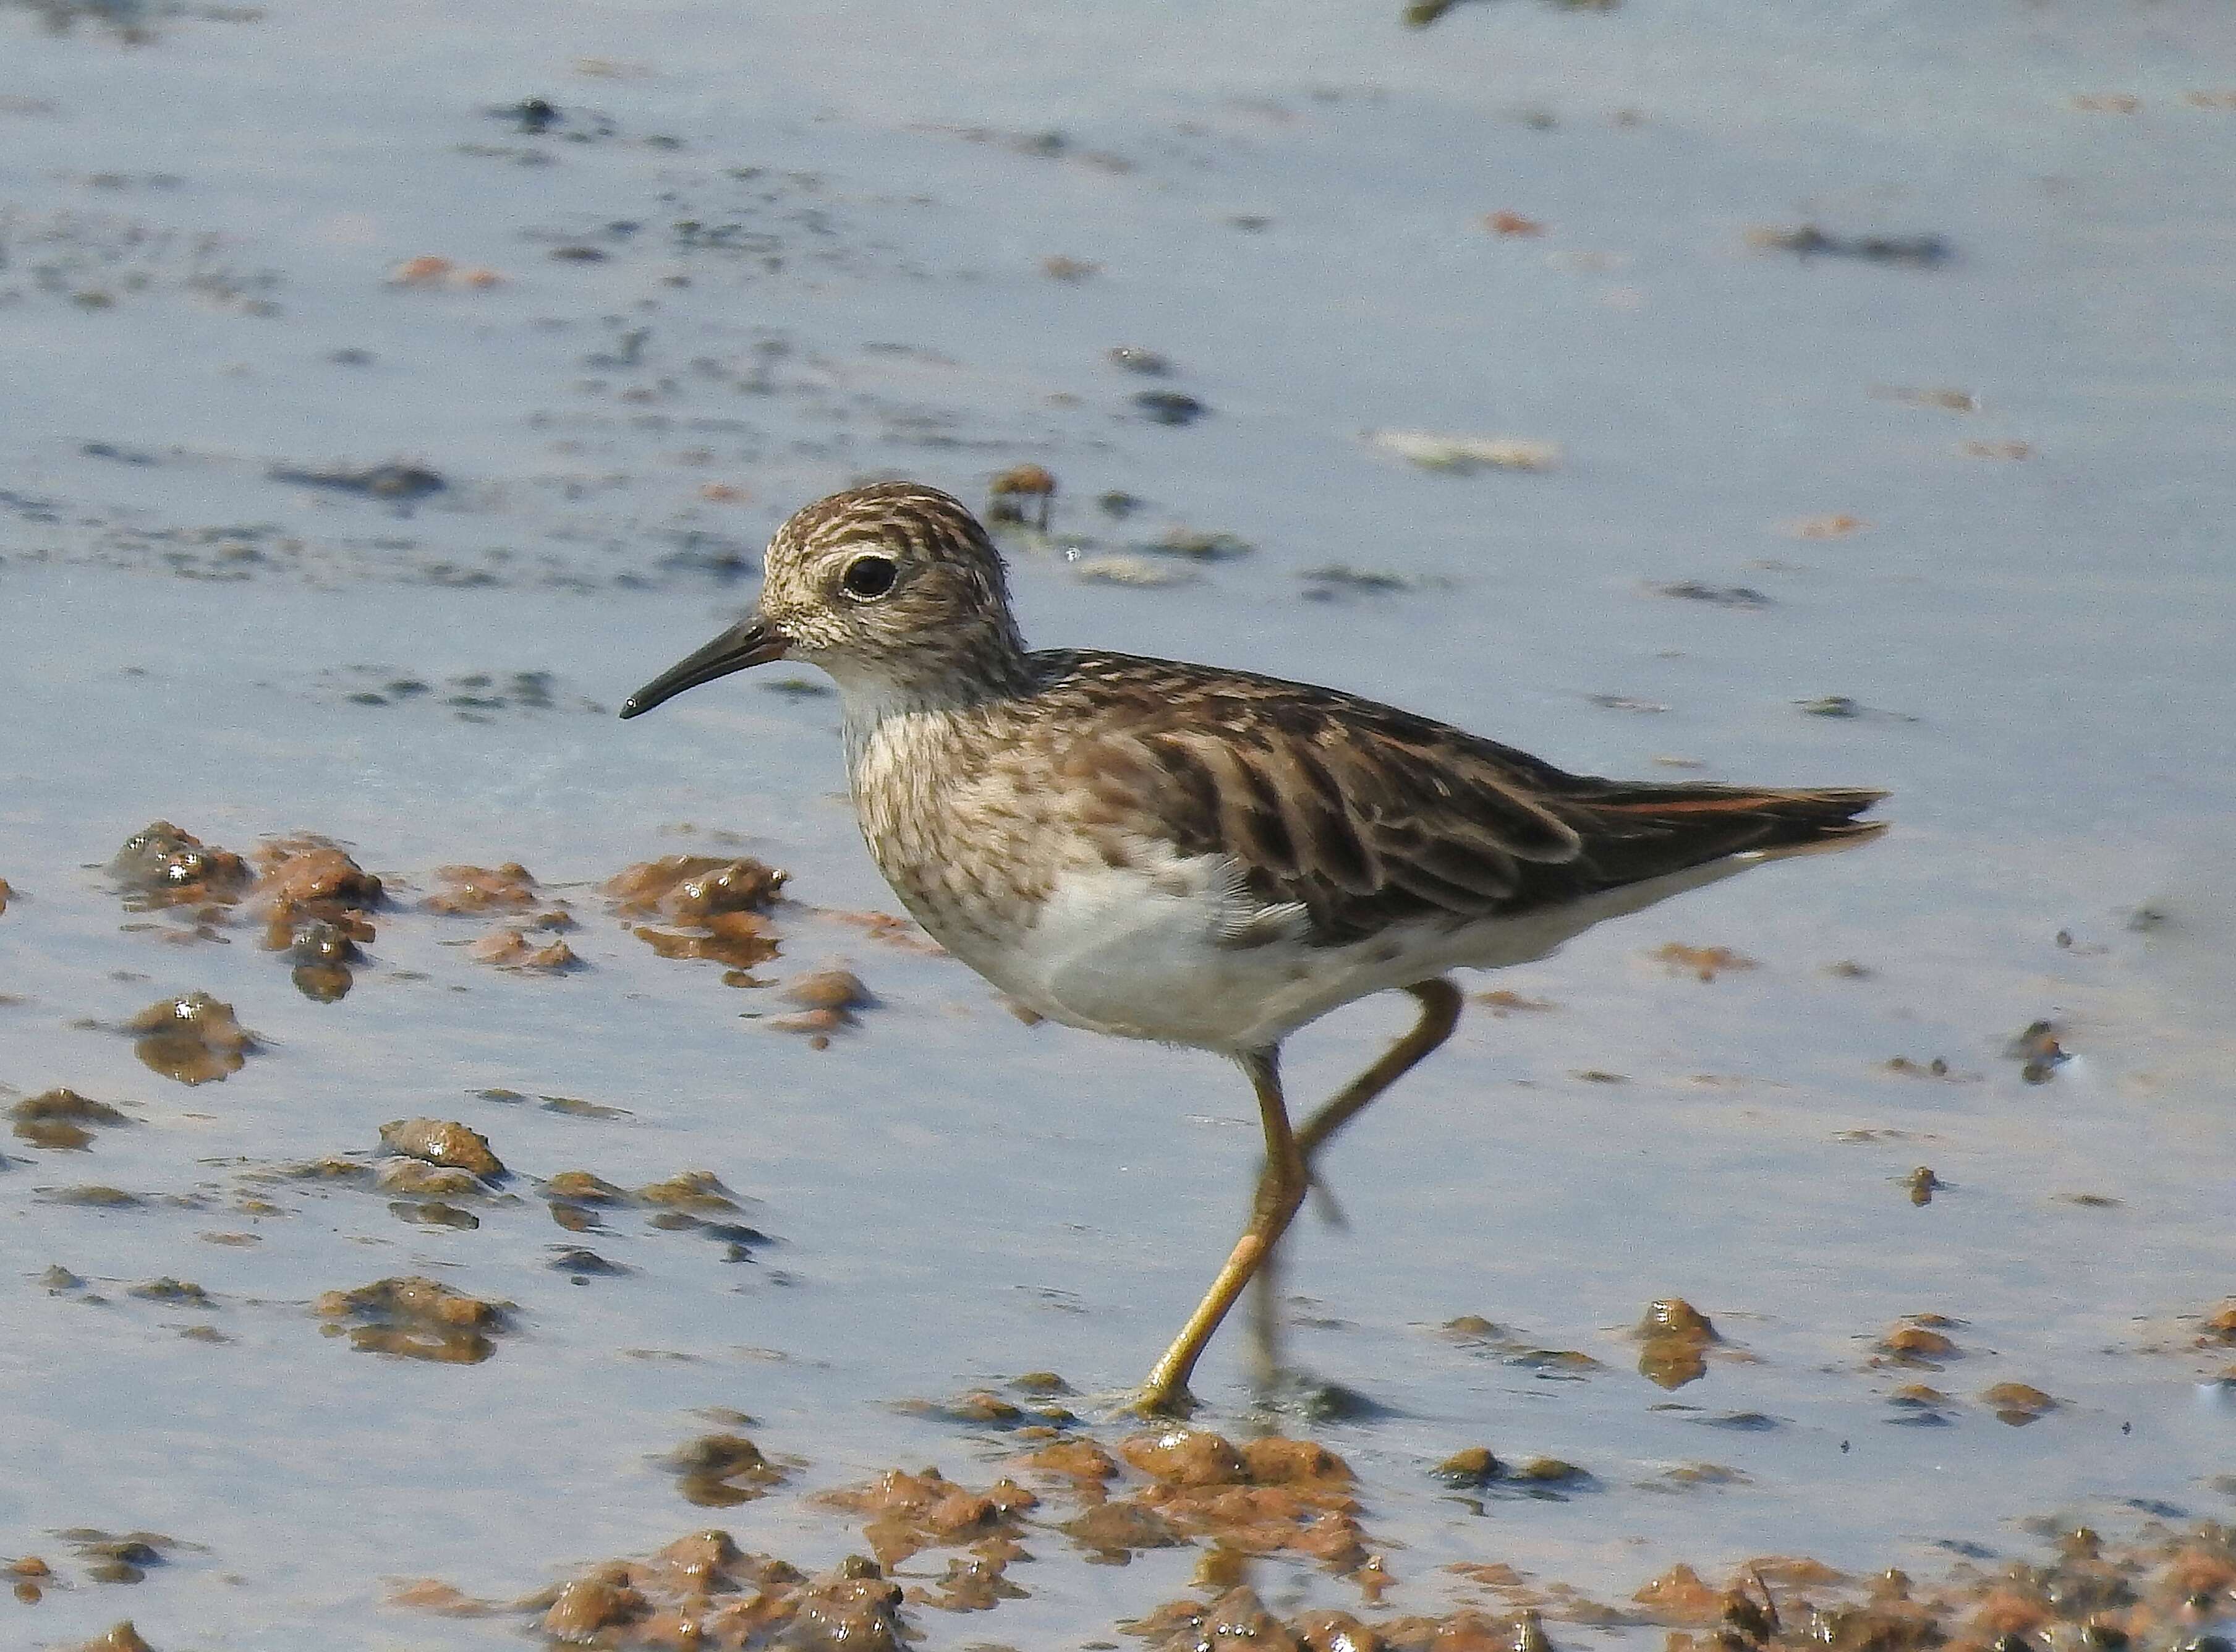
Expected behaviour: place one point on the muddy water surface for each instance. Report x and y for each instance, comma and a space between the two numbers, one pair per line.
1668, 392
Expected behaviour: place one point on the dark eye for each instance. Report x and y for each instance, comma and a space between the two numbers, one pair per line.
867, 578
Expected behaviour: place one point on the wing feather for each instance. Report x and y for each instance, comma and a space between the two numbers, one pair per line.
1359, 815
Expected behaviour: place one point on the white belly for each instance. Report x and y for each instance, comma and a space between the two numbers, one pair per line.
1114, 952
1154, 957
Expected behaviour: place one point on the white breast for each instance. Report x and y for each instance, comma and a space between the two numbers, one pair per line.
1144, 955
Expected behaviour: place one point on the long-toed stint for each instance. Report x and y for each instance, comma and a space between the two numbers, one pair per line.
1199, 856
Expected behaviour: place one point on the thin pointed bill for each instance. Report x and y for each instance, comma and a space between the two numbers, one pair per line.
751, 641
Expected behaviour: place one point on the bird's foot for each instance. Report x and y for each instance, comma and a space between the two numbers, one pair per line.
1158, 1402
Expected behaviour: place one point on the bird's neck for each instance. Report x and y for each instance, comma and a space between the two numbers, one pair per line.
946, 689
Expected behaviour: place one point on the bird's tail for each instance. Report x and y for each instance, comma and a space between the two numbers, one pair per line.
1645, 829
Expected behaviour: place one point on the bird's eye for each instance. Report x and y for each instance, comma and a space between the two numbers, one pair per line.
867, 578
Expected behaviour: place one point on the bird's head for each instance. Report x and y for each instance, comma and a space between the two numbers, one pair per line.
894, 589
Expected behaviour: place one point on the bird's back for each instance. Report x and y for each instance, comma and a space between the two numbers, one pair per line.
1366, 815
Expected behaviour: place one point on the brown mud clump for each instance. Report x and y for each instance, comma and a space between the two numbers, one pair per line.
414, 1317
689, 889
703, 1591
2037, 1051
119, 1556
475, 890
1920, 1340
2171, 1585
688, 1190
1007, 495
120, 1637
888, 929
97, 1196
444, 1600
517, 948
1473, 1332
413, 1178
595, 1601
177, 1292
2160, 1590
62, 1119
1084, 1462
1504, 1002
2017, 1403
827, 1000
719, 1470
849, 1606
718, 908
309, 870
316, 903
442, 1142
30, 1574
1675, 1338
907, 1513
576, 1196
1238, 1618
1470, 1469
1266, 1496
162, 866
194, 1039
1706, 963
529, 939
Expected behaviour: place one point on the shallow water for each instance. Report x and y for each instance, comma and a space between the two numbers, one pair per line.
200, 226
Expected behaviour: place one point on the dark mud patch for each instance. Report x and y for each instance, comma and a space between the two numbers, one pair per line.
393, 483
1674, 1340
415, 1317
721, 1471
62, 1119
691, 1201
467, 696
1479, 1335
163, 865
192, 1039
1806, 241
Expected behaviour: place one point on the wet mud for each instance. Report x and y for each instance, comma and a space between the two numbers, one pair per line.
415, 1317
712, 908
1240, 1511
1838, 1258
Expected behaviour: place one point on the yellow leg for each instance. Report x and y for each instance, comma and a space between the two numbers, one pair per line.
1281, 1187
1280, 1190
1440, 1013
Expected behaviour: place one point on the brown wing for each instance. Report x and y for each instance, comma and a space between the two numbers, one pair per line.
1364, 815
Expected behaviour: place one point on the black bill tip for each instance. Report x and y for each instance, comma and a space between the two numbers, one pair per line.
750, 642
